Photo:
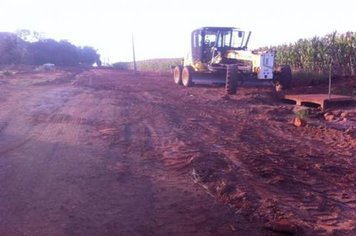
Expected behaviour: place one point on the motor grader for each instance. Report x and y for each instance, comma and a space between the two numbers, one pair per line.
220, 54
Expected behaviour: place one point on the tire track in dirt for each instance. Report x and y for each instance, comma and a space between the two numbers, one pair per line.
169, 128
34, 168
296, 176
268, 174
173, 203
128, 154
266, 158
9, 111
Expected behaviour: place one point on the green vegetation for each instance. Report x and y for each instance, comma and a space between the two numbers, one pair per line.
316, 54
122, 65
152, 65
158, 65
302, 114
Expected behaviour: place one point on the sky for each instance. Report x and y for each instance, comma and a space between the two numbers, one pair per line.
162, 28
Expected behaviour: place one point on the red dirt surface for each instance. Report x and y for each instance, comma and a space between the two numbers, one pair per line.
106, 152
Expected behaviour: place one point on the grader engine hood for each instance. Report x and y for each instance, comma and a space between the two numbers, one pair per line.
262, 62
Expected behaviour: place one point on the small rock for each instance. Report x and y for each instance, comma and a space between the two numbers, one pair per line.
330, 117
328, 113
344, 115
338, 113
317, 166
298, 122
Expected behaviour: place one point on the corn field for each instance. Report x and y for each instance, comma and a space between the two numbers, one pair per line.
315, 55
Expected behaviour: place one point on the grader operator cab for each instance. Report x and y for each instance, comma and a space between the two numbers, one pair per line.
222, 52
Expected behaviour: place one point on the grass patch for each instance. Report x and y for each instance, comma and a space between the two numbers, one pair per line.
302, 114
344, 90
121, 65
310, 78
162, 65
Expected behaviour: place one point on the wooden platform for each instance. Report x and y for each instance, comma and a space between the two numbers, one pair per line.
319, 99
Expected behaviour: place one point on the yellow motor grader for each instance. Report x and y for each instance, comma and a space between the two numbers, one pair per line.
220, 53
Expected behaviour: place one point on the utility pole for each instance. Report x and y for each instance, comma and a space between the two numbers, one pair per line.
133, 54
330, 72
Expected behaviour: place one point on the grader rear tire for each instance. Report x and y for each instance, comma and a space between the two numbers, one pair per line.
283, 78
187, 76
231, 79
177, 75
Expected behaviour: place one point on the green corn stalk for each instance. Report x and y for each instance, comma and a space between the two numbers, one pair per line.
314, 55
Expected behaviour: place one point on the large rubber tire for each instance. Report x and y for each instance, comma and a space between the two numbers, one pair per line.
283, 78
187, 76
177, 75
231, 79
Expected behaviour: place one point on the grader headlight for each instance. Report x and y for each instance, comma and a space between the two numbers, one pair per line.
257, 69
231, 55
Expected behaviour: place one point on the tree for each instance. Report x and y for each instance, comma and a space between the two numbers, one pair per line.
12, 49
28, 47
29, 36
88, 56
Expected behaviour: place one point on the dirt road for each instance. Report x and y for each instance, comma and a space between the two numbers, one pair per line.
104, 152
